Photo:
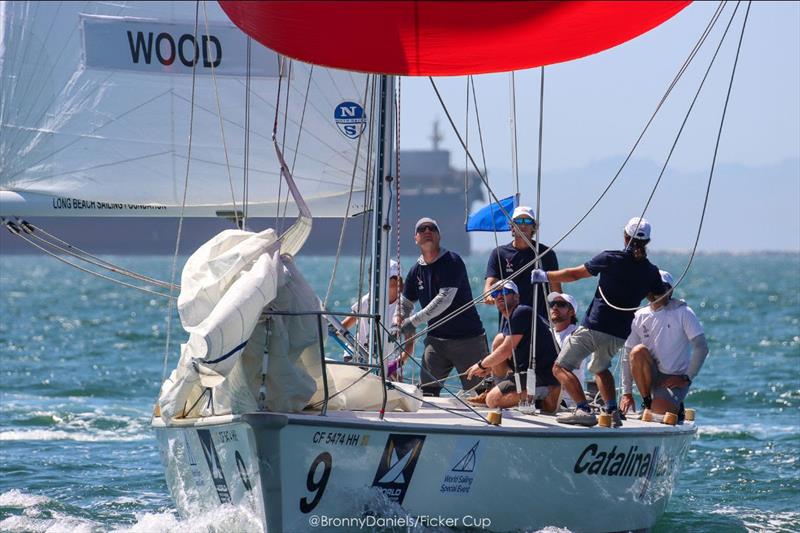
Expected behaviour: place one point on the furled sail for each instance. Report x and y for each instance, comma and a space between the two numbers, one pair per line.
96, 114
431, 38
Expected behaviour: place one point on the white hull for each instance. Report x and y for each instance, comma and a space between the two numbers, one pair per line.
529, 473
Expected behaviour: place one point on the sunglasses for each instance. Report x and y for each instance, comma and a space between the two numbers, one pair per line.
502, 292
427, 227
523, 221
559, 304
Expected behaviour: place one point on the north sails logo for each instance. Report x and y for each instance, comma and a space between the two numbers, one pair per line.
509, 266
420, 283
350, 119
397, 465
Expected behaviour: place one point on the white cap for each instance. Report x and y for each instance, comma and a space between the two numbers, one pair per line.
510, 285
638, 228
666, 277
553, 296
523, 211
425, 220
394, 269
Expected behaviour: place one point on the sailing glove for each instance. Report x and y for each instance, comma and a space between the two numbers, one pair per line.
538, 276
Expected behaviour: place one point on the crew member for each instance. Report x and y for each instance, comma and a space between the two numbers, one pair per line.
564, 317
439, 281
510, 258
626, 277
511, 353
664, 351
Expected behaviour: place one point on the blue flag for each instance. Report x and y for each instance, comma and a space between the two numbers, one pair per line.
491, 217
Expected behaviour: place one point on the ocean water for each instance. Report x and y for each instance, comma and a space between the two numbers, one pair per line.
81, 362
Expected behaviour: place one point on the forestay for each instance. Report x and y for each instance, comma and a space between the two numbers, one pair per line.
96, 101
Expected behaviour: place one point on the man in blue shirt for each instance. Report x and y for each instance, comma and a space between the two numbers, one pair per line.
511, 351
626, 277
508, 259
440, 283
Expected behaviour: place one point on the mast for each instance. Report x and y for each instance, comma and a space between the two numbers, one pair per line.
381, 220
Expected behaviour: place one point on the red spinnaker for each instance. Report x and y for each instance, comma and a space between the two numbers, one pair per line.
445, 38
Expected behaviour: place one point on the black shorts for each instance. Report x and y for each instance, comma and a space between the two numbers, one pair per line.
508, 385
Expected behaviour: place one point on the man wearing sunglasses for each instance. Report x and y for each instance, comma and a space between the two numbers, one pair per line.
439, 281
511, 350
564, 317
508, 259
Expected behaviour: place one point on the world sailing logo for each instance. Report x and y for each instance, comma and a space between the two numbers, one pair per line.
350, 119
397, 465
465, 459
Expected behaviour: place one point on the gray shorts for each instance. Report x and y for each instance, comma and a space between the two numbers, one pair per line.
441, 355
674, 395
508, 385
584, 342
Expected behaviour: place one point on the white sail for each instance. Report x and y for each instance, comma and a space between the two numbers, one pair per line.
96, 112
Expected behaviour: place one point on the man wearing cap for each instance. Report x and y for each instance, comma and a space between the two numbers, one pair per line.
625, 278
439, 281
564, 317
362, 307
510, 354
508, 259
664, 352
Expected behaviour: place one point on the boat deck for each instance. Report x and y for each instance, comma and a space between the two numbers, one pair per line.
449, 415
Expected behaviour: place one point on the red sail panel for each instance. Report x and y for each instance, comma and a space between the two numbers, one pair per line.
429, 38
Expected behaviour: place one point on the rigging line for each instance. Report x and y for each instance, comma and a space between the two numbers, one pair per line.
442, 407
397, 311
246, 174
485, 171
512, 80
174, 267
92, 272
439, 381
346, 214
671, 151
221, 122
367, 190
679, 74
77, 253
683, 68
466, 161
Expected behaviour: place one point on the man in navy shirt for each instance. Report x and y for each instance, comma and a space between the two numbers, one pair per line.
626, 277
509, 259
511, 350
440, 283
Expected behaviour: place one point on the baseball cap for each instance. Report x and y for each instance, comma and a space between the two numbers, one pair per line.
510, 285
394, 269
523, 211
553, 296
638, 228
425, 220
666, 277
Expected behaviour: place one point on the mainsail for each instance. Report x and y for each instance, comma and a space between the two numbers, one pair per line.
98, 101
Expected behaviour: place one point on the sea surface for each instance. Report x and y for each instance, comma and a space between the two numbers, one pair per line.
81, 361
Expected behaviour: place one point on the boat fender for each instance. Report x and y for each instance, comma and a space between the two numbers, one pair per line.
495, 418
157, 411
689, 415
670, 419
604, 420
647, 415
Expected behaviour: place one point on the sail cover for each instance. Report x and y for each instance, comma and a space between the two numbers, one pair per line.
430, 38
95, 104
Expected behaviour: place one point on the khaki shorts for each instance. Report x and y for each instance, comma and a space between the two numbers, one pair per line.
584, 342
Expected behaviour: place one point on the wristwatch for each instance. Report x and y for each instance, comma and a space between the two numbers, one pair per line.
480, 364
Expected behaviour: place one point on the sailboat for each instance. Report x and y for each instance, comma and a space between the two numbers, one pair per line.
150, 108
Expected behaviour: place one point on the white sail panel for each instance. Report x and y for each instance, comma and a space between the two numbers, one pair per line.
96, 105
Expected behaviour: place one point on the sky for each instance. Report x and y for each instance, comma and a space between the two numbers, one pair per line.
595, 108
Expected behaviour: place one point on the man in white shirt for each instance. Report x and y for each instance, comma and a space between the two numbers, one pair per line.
564, 317
664, 352
362, 307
